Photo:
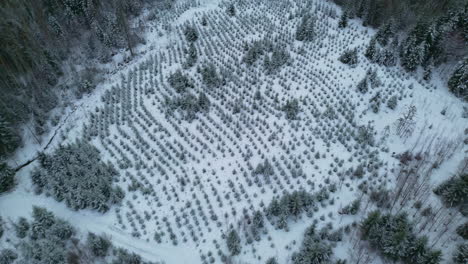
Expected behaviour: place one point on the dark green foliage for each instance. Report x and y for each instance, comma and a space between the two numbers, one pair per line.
462, 230
180, 82
98, 245
343, 20
233, 242
209, 75
461, 254
7, 177
394, 237
9, 140
305, 31
349, 57
22, 227
8, 256
76, 175
454, 191
313, 250
291, 109
458, 82
191, 34
125, 257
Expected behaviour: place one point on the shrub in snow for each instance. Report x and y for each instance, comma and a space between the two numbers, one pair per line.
76, 175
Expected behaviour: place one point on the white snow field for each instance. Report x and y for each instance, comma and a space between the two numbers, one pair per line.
187, 180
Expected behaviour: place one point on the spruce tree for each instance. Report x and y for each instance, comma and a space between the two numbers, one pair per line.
343, 20
233, 242
458, 82
7, 177
371, 50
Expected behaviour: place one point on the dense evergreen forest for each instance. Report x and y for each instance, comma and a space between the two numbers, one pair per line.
37, 39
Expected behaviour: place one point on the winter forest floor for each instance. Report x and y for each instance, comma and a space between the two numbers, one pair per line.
189, 175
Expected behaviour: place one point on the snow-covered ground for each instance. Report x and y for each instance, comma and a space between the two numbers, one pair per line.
190, 176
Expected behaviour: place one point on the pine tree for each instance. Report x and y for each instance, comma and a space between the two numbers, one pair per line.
9, 140
8, 256
99, 245
362, 86
458, 82
411, 55
231, 10
192, 56
349, 57
460, 255
191, 34
392, 102
7, 177
305, 31
462, 230
343, 20
233, 242
371, 50
271, 260
22, 227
